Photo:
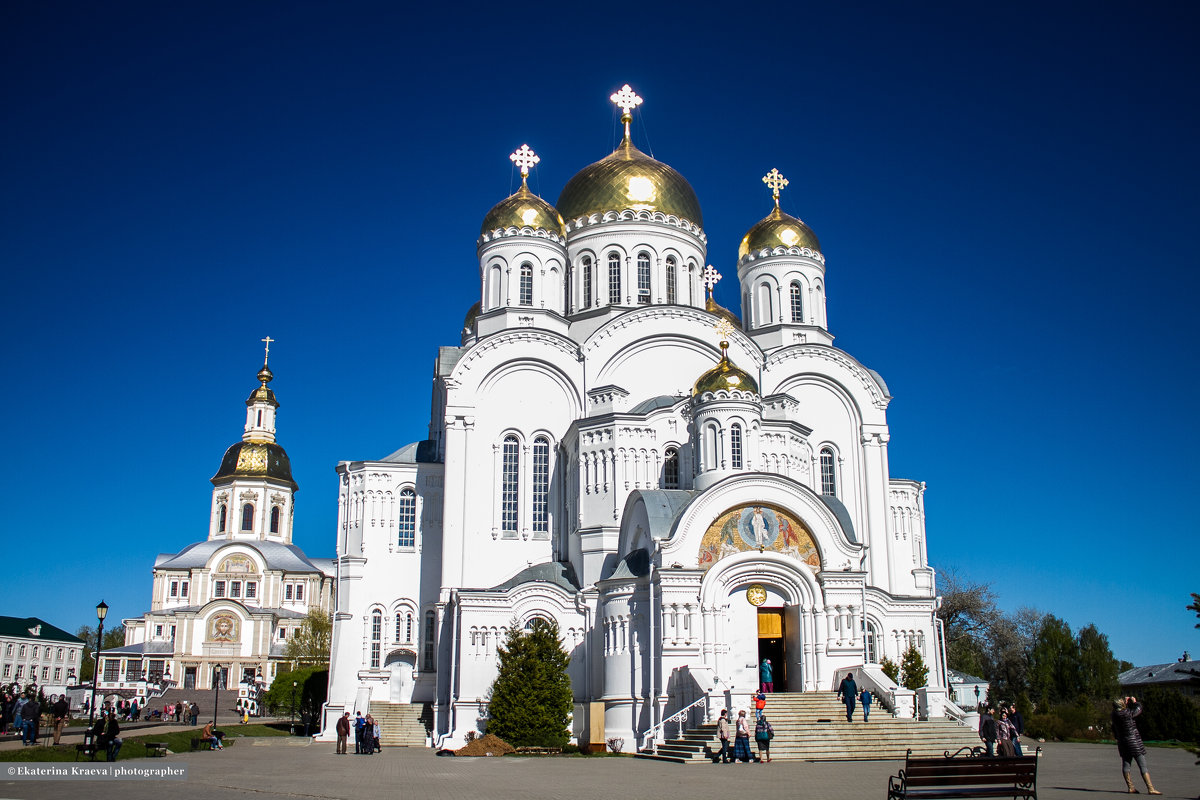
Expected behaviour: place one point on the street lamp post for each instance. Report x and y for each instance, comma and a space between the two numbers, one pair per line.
101, 613
217, 691
292, 730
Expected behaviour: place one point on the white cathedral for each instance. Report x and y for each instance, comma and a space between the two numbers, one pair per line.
683, 493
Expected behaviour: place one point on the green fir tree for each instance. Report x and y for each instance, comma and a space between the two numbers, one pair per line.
530, 701
891, 669
912, 668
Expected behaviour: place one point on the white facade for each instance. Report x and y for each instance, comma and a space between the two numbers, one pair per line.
33, 652
230, 602
596, 458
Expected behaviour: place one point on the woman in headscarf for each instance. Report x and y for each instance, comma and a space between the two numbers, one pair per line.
1129, 741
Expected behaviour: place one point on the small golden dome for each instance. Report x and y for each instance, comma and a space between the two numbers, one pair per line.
778, 229
256, 460
472, 315
629, 179
263, 393
523, 210
712, 307
725, 376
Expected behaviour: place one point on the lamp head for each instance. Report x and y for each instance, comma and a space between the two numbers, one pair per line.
102, 611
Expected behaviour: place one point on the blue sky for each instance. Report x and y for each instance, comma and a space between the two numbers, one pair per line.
1006, 196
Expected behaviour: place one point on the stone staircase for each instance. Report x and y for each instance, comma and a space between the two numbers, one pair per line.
402, 724
811, 726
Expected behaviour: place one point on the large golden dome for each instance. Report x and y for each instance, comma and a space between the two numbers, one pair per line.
629, 179
256, 460
523, 210
725, 376
778, 229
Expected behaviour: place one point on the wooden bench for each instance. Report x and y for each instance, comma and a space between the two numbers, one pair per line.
88, 748
201, 744
154, 749
965, 777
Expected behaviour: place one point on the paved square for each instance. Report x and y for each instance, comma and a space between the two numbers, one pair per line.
259, 769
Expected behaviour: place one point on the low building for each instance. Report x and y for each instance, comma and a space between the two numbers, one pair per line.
967, 691
1182, 676
32, 651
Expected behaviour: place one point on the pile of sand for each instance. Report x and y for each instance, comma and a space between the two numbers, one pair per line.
488, 745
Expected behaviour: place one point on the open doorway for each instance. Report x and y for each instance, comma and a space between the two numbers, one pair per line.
771, 645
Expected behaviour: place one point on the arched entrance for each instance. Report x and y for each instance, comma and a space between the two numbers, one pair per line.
402, 665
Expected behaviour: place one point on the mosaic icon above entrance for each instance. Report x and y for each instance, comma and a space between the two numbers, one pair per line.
757, 527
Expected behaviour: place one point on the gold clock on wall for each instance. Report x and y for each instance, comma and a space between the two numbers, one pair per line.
756, 595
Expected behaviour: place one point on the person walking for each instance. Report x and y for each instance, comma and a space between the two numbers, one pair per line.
194, 713
359, 725
1004, 733
375, 733
760, 703
763, 734
1129, 742
60, 712
741, 739
343, 733
1018, 723
865, 698
848, 692
987, 731
723, 736
765, 674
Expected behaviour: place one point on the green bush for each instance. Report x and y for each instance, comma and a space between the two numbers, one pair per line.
530, 701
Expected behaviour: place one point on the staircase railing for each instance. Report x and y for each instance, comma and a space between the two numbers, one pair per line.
682, 718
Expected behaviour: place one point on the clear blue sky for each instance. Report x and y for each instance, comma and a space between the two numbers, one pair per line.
1006, 195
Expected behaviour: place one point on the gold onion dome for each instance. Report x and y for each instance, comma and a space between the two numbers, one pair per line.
629, 179
256, 460
778, 229
725, 376
263, 392
712, 307
523, 210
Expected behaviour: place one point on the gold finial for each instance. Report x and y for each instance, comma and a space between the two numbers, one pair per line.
627, 101
524, 158
264, 374
724, 329
775, 182
267, 354
711, 276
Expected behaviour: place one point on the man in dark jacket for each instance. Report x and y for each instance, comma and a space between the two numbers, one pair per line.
1018, 722
60, 711
31, 712
848, 694
987, 730
343, 732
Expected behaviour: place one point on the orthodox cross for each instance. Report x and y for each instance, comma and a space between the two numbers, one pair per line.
775, 182
524, 158
723, 328
627, 101
267, 354
711, 276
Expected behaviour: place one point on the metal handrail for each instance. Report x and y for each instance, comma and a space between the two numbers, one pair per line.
678, 716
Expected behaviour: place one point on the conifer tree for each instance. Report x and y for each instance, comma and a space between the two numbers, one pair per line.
530, 701
890, 668
912, 667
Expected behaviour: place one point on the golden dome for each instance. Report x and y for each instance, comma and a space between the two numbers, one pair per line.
712, 307
472, 315
256, 460
263, 393
778, 229
523, 210
725, 376
629, 179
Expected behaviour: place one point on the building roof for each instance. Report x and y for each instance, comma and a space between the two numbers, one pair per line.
175, 611
34, 628
843, 516
954, 676
654, 403
423, 452
285, 557
141, 648
559, 573
1177, 672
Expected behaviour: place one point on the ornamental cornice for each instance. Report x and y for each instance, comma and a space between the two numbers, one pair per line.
729, 394
782, 251
517, 337
836, 356
665, 312
526, 232
630, 215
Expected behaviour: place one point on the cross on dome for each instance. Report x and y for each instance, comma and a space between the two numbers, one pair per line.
711, 276
723, 328
627, 101
775, 182
524, 158
267, 354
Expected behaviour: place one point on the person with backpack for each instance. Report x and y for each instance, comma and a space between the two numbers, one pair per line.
763, 734
760, 703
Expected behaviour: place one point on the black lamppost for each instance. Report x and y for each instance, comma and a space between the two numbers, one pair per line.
292, 730
217, 692
101, 613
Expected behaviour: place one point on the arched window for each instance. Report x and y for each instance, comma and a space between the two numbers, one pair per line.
399, 626
541, 485
735, 446
872, 642
709, 453
587, 282
614, 279
407, 518
671, 469
427, 659
248, 517
691, 283
222, 513
828, 477
509, 485
493, 288
376, 636
408, 627
274, 519
763, 298
797, 298
671, 267
643, 267
526, 298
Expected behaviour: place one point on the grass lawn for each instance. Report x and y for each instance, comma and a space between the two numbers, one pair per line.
135, 747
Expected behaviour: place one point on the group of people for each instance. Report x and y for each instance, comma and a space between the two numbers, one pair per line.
849, 695
763, 733
180, 710
366, 734
1001, 731
106, 734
